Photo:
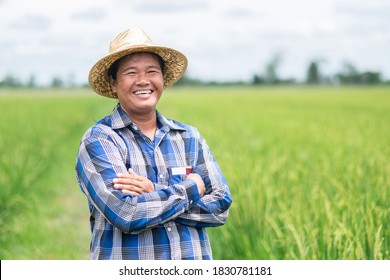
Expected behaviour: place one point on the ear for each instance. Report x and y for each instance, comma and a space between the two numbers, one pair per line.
112, 83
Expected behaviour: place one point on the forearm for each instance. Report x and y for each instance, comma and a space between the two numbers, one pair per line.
156, 208
135, 213
97, 167
211, 210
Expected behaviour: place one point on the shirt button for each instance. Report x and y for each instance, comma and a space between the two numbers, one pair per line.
169, 229
161, 175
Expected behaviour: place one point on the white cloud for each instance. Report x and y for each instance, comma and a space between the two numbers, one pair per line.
223, 39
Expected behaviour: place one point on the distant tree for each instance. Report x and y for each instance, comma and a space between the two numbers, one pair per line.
258, 80
186, 81
10, 81
350, 75
313, 73
271, 69
31, 82
370, 78
57, 82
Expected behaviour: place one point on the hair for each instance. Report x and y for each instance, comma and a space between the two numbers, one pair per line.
112, 71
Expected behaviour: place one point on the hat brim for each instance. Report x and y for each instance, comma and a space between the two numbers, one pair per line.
174, 68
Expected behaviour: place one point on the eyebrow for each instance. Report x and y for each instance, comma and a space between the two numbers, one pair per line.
148, 67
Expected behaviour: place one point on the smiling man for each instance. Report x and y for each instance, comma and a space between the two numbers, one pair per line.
152, 183
138, 81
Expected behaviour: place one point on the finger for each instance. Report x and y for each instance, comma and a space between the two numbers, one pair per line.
131, 171
126, 181
135, 175
135, 182
128, 187
127, 190
125, 175
130, 192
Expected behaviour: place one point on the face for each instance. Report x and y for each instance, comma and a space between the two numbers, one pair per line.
138, 83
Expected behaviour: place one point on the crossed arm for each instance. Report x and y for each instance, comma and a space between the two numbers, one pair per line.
134, 184
133, 203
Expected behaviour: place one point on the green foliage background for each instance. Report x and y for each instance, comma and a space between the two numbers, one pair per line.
308, 168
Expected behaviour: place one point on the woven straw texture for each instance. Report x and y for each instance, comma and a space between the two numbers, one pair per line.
133, 41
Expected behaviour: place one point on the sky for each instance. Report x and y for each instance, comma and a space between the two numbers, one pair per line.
224, 40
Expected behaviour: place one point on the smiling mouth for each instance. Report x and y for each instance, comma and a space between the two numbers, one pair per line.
140, 92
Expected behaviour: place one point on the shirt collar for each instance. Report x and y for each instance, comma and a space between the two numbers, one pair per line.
119, 119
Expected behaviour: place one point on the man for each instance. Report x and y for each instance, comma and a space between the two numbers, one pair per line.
152, 183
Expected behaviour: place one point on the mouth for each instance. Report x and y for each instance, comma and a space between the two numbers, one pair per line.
142, 92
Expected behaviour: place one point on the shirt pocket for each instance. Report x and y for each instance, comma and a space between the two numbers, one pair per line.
178, 174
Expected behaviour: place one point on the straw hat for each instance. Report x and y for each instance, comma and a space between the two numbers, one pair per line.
131, 41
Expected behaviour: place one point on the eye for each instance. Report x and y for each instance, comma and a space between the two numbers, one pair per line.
131, 73
153, 71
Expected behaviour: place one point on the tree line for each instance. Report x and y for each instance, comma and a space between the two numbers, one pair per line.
349, 75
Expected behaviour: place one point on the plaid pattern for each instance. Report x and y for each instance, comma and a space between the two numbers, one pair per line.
168, 223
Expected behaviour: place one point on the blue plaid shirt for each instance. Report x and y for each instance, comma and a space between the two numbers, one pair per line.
168, 223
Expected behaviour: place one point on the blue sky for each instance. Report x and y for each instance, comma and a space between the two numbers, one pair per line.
223, 39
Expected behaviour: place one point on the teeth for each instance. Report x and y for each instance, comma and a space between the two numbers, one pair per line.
142, 92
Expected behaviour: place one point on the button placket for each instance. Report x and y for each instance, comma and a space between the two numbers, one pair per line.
159, 162
174, 240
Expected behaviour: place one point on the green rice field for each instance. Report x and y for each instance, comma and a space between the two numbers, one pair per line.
308, 169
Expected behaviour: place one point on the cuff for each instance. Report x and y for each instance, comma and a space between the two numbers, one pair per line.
191, 191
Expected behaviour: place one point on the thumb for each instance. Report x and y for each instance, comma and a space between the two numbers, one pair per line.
131, 171
136, 176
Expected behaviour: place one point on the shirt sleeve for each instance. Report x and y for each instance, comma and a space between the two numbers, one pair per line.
99, 160
213, 208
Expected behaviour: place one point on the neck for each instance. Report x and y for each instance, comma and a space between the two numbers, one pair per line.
147, 123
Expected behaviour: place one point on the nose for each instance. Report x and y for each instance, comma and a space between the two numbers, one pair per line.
142, 80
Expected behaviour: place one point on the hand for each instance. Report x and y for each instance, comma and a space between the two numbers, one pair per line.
132, 183
199, 182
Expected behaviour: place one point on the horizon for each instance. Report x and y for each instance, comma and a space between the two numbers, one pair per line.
223, 40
